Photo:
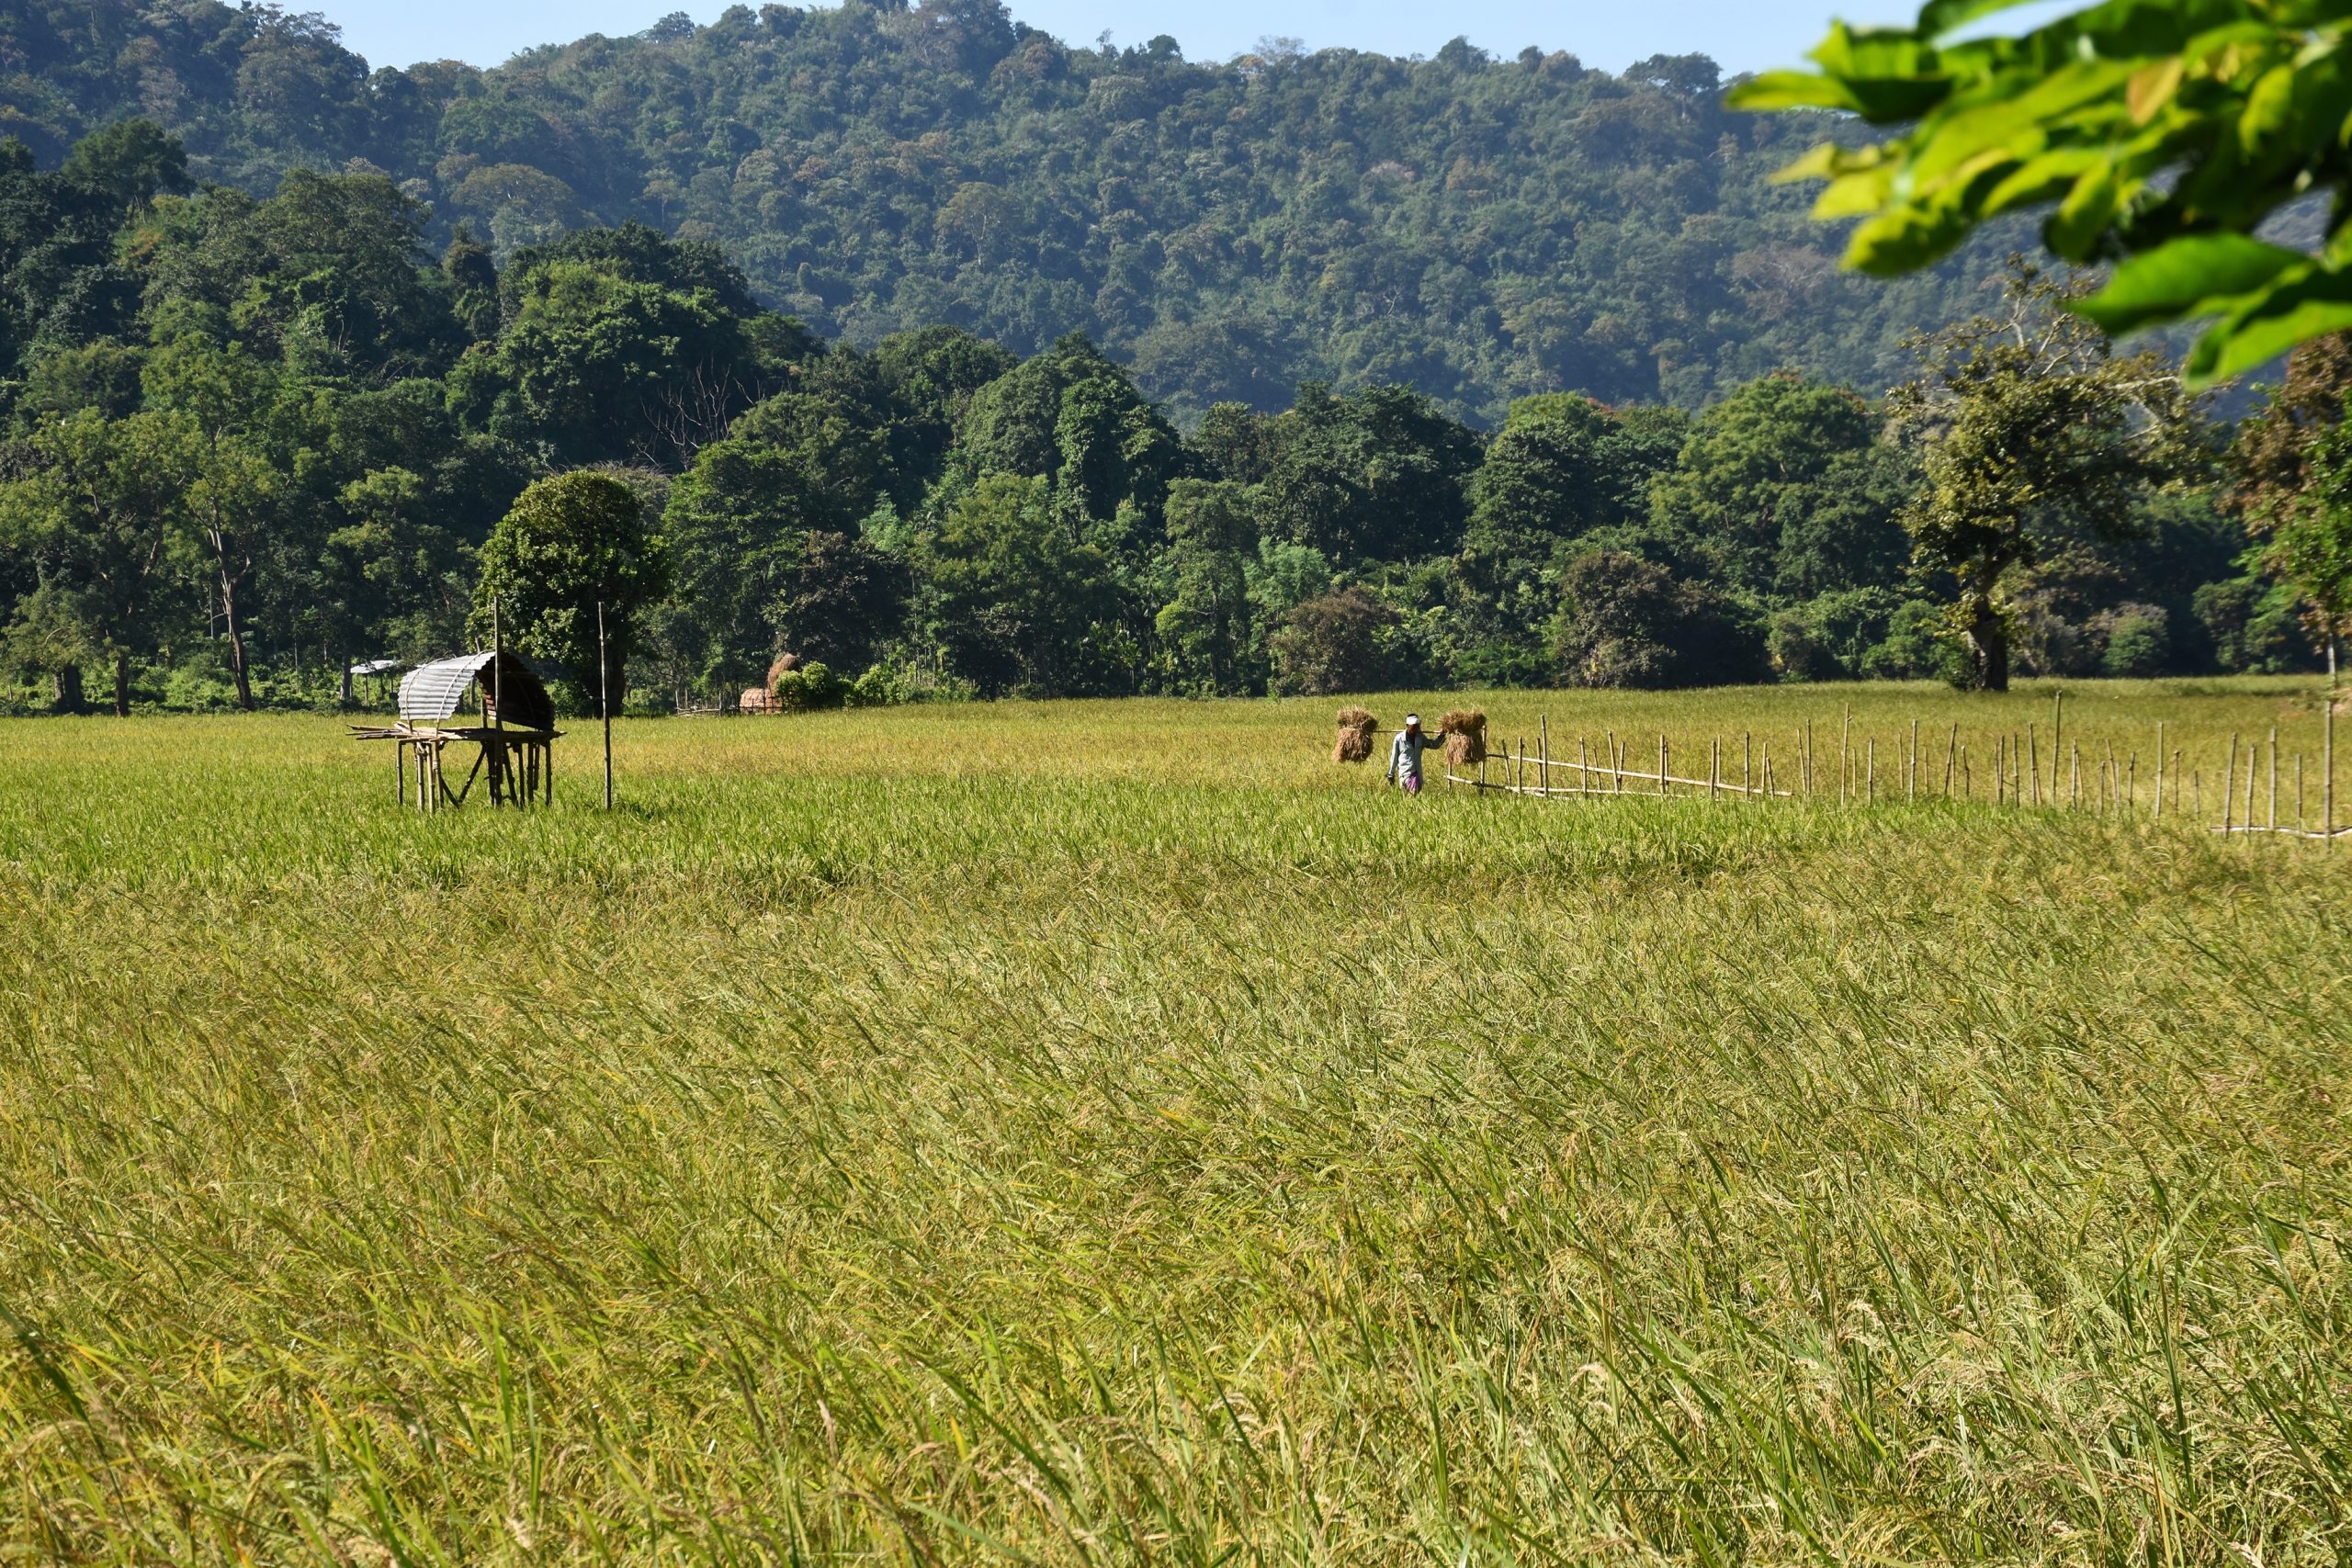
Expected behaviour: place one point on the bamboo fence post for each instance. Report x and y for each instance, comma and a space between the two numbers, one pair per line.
1715, 769
2057, 739
2250, 759
2074, 777
1871, 746
2160, 769
1747, 763
1845, 733
604, 702
2274, 778
1951, 756
1543, 753
2327, 756
1584, 768
1661, 764
1766, 760
1967, 785
1808, 758
2229, 779
2113, 783
2000, 769
2303, 823
1911, 786
2033, 760
400, 772
2132, 784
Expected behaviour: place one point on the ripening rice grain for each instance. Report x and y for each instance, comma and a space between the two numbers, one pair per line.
1465, 738
1356, 728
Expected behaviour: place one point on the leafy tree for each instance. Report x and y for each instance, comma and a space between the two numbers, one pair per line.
1018, 606
216, 397
843, 602
611, 369
1378, 475
1073, 418
132, 162
738, 525
1204, 624
1782, 491
1624, 621
2311, 547
572, 542
2164, 134
96, 515
1335, 643
2029, 427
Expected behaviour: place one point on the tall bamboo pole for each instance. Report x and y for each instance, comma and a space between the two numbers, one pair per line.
2057, 739
1845, 733
604, 702
2251, 756
2160, 769
2229, 782
2327, 756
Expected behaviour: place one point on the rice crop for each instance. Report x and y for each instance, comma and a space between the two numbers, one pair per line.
1111, 1133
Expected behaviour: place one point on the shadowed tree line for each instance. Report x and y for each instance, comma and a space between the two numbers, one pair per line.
249, 442
1475, 228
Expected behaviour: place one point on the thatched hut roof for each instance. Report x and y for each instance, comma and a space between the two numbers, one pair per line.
431, 693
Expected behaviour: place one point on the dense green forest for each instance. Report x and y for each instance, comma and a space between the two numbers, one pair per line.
1474, 229
245, 442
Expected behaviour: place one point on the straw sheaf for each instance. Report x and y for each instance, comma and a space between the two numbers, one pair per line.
1356, 728
1465, 738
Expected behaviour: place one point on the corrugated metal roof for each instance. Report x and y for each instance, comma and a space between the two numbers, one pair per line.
431, 693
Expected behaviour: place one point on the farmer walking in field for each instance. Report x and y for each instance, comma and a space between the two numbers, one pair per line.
1405, 755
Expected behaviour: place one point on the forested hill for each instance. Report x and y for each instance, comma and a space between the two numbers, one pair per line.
1473, 227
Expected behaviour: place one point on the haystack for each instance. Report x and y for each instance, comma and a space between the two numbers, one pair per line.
784, 665
1355, 736
1465, 738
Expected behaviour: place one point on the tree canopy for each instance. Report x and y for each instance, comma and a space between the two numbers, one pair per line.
2160, 137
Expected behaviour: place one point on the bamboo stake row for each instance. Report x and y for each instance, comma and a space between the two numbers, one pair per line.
2103, 783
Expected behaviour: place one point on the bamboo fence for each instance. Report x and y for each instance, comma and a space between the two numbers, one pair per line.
2070, 773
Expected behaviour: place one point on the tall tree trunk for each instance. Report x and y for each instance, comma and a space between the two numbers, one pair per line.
65, 689
1987, 638
121, 684
236, 636
346, 680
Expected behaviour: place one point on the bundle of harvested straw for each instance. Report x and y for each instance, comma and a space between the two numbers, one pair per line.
786, 663
1355, 736
1465, 738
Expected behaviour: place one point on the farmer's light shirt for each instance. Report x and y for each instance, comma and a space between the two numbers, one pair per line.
1405, 755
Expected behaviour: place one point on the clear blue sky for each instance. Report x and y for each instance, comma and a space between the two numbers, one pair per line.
1742, 35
